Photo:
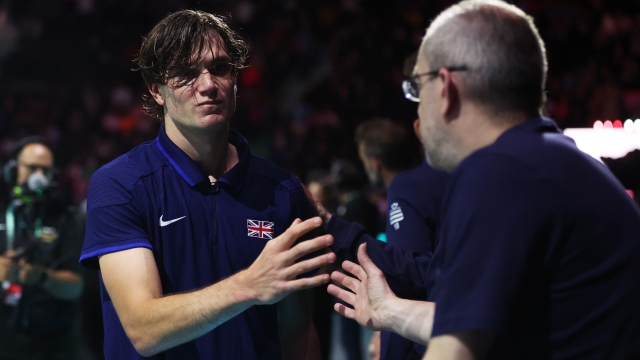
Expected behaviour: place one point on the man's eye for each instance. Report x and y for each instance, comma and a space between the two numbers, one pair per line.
220, 69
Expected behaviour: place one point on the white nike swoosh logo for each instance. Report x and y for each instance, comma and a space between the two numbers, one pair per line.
165, 223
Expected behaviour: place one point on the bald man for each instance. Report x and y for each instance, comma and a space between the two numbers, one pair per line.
40, 242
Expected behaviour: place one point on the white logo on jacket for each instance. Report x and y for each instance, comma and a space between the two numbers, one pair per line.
395, 215
165, 223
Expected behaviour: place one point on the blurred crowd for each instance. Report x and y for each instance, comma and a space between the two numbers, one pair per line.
318, 68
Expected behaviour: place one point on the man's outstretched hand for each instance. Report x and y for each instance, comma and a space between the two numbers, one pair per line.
273, 275
370, 294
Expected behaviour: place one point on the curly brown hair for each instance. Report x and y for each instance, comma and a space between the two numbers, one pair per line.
168, 50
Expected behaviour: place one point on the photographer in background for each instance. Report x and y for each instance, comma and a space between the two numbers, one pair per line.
40, 242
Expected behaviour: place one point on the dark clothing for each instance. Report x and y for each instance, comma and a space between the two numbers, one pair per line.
40, 326
156, 197
359, 210
539, 243
414, 199
626, 169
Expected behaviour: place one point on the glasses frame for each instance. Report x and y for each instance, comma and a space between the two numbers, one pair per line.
47, 171
411, 87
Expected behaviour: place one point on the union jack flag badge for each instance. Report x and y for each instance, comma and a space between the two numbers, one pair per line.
260, 229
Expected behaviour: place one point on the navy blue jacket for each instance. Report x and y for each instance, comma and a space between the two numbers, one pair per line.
413, 217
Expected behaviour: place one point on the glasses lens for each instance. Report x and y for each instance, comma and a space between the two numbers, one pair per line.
220, 69
410, 89
46, 170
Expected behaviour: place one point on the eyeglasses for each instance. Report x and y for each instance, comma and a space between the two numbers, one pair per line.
411, 87
218, 69
46, 170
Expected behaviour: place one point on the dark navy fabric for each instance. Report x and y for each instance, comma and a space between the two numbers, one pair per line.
405, 271
539, 243
414, 199
128, 197
413, 214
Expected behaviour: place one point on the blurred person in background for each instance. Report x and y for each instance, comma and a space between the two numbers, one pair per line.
320, 302
538, 255
414, 198
188, 231
40, 241
349, 182
385, 149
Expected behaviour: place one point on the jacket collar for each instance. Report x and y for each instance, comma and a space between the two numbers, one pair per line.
193, 174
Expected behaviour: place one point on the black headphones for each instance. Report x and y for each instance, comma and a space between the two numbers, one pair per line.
10, 169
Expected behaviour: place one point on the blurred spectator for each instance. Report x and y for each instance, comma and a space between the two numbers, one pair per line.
385, 149
350, 181
66, 72
39, 270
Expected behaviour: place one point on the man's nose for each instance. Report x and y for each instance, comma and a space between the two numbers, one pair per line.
206, 82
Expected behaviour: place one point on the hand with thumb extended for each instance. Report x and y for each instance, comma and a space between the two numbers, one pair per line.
274, 274
370, 295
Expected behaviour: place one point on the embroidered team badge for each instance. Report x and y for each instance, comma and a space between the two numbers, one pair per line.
260, 229
395, 215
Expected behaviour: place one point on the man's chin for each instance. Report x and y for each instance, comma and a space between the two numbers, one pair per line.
214, 118
437, 162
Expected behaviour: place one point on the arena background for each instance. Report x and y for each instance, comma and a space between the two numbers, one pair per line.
318, 68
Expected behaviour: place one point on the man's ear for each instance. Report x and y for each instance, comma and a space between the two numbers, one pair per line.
416, 129
154, 89
449, 94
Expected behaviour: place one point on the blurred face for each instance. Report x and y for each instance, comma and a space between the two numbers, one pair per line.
318, 191
207, 98
369, 166
434, 134
34, 158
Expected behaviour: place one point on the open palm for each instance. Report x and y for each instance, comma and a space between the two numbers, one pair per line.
370, 294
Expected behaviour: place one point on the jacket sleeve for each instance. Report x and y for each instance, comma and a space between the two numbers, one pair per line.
405, 271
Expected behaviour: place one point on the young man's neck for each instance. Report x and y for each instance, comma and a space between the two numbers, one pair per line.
210, 150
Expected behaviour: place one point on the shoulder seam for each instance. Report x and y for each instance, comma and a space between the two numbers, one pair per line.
130, 190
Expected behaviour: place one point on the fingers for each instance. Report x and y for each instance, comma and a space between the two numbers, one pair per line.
342, 294
344, 311
307, 247
355, 269
296, 230
346, 281
311, 264
307, 283
366, 262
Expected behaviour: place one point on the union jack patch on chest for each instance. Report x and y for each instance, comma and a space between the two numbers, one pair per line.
260, 229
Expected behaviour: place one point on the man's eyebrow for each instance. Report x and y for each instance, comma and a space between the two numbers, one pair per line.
225, 57
219, 59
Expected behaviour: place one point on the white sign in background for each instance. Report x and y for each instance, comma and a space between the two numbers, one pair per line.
606, 142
